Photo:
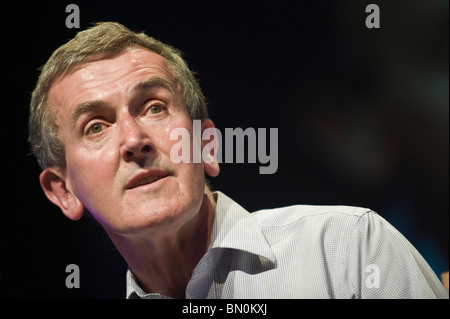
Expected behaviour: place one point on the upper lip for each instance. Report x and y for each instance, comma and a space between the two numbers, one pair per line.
146, 177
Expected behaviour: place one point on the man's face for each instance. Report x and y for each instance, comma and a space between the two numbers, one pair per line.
114, 117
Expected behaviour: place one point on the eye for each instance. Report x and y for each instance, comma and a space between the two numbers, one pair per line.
95, 128
155, 109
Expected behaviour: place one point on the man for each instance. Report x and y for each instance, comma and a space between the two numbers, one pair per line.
101, 118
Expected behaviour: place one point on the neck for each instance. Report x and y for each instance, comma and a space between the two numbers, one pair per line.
164, 263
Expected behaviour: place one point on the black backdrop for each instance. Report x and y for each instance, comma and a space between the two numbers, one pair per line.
362, 116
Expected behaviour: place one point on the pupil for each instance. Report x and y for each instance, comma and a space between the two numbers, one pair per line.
155, 109
96, 128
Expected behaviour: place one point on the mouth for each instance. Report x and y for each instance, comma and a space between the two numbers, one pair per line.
146, 178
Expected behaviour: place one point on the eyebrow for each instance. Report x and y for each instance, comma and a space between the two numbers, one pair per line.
153, 82
85, 108
96, 105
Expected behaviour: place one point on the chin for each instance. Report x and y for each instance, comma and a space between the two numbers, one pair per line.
154, 217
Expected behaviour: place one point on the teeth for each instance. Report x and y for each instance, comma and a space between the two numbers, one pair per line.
147, 180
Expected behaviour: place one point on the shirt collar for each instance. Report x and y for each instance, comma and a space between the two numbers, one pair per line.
235, 228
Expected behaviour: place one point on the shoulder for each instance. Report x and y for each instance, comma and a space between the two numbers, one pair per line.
315, 227
284, 216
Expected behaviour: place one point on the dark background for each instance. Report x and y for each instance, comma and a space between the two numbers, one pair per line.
362, 116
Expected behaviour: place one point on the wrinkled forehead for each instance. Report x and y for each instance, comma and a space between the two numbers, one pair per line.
105, 72
131, 56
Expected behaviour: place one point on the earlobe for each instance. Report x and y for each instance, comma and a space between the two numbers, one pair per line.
212, 169
210, 160
54, 186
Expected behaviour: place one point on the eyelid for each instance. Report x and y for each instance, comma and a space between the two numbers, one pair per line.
151, 103
91, 123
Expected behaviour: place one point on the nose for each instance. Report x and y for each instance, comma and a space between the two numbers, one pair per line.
135, 142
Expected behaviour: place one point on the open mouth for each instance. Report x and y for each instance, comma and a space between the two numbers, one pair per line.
146, 178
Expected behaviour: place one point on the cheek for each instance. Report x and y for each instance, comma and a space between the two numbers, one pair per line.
190, 175
162, 138
193, 171
89, 173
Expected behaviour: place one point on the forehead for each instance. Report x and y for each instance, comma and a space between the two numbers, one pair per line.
102, 76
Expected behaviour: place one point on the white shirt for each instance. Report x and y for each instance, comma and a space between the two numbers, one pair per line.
305, 252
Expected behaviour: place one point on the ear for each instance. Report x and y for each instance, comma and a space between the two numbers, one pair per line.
210, 148
53, 182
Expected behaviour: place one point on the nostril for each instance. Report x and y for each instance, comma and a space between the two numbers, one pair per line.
129, 154
146, 149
